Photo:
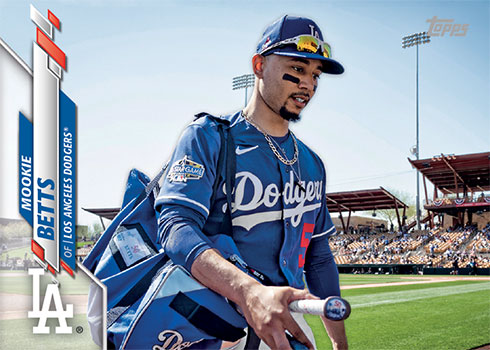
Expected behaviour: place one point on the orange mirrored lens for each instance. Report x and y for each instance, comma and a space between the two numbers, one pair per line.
326, 50
308, 43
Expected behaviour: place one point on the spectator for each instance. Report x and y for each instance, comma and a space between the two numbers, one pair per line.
474, 266
455, 267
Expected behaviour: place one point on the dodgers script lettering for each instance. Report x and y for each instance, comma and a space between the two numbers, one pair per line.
173, 340
305, 201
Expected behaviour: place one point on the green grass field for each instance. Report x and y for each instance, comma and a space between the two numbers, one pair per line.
83, 244
346, 280
19, 282
18, 253
17, 334
445, 315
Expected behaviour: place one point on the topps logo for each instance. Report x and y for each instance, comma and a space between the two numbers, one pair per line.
439, 27
52, 293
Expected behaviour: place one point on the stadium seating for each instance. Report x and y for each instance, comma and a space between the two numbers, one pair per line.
435, 248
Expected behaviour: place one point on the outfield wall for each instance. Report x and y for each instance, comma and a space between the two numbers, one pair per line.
410, 269
447, 271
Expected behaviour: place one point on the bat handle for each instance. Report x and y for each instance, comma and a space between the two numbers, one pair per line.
333, 308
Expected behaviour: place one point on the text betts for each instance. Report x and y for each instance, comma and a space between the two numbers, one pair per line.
45, 208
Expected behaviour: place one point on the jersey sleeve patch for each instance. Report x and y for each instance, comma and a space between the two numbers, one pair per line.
185, 169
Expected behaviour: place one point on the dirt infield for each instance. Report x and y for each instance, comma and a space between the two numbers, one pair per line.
13, 274
484, 347
418, 280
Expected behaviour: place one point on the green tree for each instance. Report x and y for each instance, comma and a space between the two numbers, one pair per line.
390, 214
82, 231
15, 229
95, 229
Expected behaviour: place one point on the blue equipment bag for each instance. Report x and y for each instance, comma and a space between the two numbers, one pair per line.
117, 248
152, 303
177, 312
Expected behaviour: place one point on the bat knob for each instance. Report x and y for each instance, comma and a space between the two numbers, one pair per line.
336, 309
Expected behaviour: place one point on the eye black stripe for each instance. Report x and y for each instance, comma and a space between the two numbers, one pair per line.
291, 78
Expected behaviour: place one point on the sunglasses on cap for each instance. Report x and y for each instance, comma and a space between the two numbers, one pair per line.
304, 43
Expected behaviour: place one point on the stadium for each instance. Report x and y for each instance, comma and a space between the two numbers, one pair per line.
456, 238
435, 276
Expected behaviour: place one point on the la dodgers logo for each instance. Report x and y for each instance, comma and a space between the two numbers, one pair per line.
52, 293
314, 32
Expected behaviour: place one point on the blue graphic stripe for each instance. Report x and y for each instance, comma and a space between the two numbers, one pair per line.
67, 180
26, 162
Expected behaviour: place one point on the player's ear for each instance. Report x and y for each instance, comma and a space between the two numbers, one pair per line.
258, 65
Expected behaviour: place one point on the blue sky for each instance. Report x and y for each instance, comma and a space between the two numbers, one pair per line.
139, 71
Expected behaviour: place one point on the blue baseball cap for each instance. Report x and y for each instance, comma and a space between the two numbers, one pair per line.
279, 37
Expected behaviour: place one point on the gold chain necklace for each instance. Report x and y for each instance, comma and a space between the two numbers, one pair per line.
284, 159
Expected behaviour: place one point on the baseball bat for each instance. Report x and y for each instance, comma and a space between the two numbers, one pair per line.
333, 308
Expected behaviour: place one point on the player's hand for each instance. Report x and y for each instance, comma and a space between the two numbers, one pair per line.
266, 310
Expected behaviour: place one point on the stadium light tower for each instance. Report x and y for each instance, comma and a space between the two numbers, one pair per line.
244, 82
409, 41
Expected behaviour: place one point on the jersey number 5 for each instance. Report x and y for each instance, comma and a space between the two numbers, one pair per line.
305, 241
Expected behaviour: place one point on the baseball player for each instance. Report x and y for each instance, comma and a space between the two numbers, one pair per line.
280, 219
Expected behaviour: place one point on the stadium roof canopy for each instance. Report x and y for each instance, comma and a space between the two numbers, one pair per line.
451, 174
457, 174
106, 213
364, 200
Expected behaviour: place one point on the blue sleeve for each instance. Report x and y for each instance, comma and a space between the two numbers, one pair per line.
322, 276
192, 169
180, 233
323, 225
184, 199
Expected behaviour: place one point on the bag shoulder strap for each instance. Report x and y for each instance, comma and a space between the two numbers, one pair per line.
226, 159
205, 319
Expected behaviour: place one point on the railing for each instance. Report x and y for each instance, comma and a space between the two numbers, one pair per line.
457, 201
